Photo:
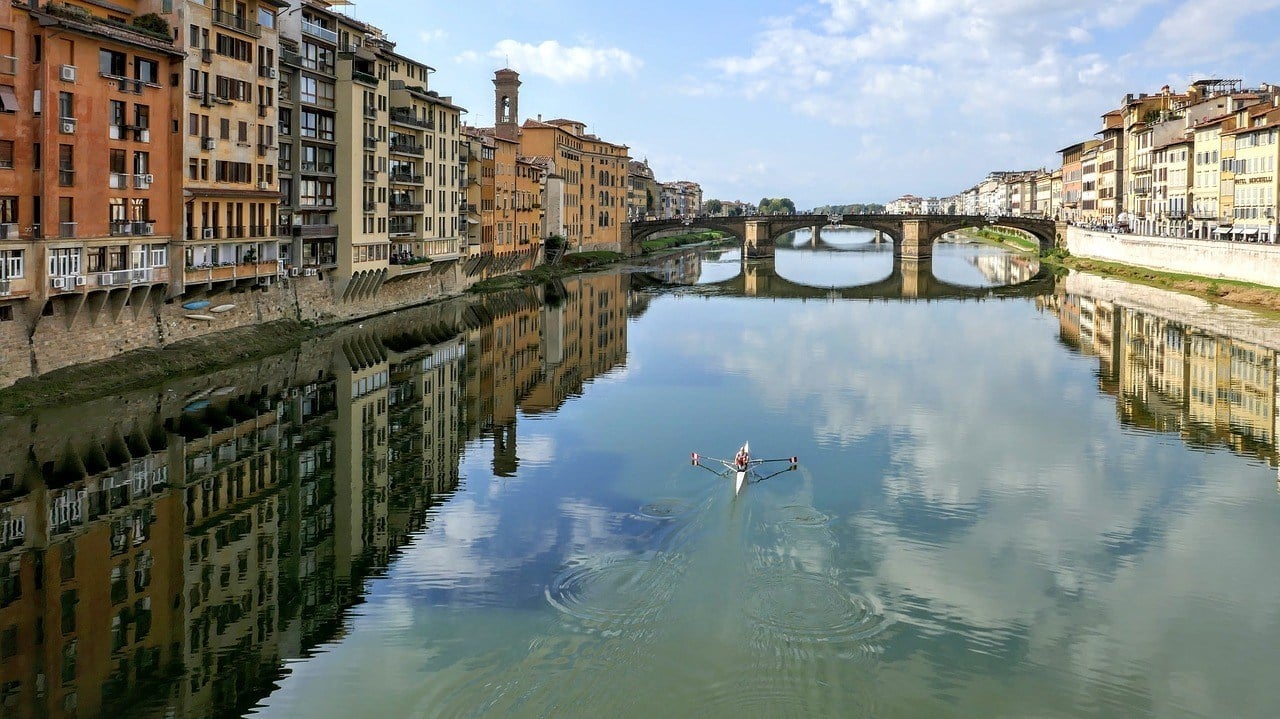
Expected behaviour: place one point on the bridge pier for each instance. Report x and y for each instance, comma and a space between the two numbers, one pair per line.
758, 240
917, 276
916, 242
817, 236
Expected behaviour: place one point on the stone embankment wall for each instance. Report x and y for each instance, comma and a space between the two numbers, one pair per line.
94, 330
1244, 261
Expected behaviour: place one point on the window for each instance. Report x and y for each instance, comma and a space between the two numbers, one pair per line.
142, 116
9, 99
66, 105
112, 63
64, 262
12, 264
6, 154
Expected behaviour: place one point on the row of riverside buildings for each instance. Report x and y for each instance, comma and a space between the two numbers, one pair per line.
162, 150
1198, 164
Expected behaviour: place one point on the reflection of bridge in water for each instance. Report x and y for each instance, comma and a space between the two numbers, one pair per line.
912, 236
908, 279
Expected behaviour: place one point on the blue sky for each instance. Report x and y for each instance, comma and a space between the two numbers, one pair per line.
832, 101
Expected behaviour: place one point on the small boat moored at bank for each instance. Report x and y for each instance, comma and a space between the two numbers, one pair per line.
222, 308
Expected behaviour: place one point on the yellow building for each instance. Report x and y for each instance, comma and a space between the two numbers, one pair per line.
230, 193
1256, 154
1206, 178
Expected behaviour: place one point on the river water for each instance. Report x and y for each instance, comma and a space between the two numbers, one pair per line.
1057, 501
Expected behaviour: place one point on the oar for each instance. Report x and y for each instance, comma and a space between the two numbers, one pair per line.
793, 460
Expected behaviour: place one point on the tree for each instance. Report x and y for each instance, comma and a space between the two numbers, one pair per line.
152, 23
713, 207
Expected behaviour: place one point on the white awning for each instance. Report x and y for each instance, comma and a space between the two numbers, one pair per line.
473, 222
1221, 230
1249, 231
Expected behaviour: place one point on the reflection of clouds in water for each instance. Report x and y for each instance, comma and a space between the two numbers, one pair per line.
1090, 540
538, 450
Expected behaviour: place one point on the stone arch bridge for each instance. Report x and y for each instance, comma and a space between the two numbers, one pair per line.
912, 235
909, 279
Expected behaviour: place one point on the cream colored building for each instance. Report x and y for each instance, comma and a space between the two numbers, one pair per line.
1170, 189
230, 189
1256, 154
1206, 173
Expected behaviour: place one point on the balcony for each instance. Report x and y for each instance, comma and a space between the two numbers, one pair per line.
370, 206
305, 231
67, 230
406, 177
238, 23
117, 181
407, 148
129, 228
370, 176
125, 278
406, 116
370, 113
370, 143
289, 57
364, 77
230, 272
317, 30
406, 206
320, 168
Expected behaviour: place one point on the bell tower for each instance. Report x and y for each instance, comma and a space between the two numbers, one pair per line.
506, 103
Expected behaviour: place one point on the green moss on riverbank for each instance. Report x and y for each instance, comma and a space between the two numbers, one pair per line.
153, 365
692, 238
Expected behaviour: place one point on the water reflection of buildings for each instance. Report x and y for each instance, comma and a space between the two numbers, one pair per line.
165, 557
1172, 377
1006, 268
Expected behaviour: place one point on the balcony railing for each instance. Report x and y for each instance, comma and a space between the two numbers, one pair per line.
66, 229
370, 206
130, 277
317, 30
222, 273
370, 143
409, 177
364, 77
406, 206
407, 148
370, 112
314, 230
406, 116
289, 57
8, 65
238, 23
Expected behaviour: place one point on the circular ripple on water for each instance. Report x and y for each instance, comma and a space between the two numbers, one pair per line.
810, 607
617, 589
804, 516
758, 694
668, 508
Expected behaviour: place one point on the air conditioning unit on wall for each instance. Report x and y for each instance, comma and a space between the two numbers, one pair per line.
68, 73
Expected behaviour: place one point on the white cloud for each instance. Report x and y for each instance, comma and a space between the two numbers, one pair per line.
430, 36
564, 63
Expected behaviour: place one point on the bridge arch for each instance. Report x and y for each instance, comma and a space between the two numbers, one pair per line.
912, 235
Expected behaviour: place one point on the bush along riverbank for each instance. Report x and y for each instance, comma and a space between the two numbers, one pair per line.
658, 244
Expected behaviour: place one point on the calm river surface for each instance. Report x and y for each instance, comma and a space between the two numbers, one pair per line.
1057, 504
